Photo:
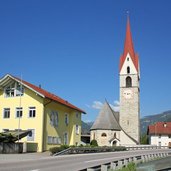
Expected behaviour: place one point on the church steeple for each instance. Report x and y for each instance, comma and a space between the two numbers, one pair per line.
129, 48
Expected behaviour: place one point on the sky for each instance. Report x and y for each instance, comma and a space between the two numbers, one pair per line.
72, 49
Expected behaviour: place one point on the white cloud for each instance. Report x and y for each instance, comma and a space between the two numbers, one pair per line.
116, 106
98, 105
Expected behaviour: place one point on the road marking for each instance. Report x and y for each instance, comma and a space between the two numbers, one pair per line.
89, 161
35, 170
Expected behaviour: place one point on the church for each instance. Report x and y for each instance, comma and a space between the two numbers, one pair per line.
122, 128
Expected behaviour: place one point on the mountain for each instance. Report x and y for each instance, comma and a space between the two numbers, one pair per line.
151, 119
144, 122
86, 127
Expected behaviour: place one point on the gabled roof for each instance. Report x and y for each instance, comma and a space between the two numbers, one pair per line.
43, 93
106, 120
129, 48
163, 128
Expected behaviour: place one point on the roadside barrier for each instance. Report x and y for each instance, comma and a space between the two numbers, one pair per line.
118, 164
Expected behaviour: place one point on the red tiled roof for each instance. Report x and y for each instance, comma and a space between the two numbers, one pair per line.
50, 95
129, 48
163, 128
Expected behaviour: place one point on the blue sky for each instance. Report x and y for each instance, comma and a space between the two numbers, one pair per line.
72, 48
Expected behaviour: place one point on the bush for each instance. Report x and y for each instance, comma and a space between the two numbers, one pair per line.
58, 149
94, 143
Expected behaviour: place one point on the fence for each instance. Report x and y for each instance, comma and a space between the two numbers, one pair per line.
118, 164
6, 148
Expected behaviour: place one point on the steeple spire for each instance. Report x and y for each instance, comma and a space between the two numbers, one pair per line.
129, 47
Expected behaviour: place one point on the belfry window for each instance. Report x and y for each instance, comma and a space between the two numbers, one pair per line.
128, 82
128, 70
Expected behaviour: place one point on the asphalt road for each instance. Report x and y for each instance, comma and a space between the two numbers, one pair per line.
64, 163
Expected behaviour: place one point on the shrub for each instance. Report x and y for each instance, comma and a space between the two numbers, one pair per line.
58, 149
94, 143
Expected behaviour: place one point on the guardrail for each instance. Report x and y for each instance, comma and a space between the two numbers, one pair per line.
118, 164
145, 147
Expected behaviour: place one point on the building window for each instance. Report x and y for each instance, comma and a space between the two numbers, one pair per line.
32, 112
77, 115
15, 89
31, 135
65, 138
127, 59
169, 136
114, 135
77, 129
128, 82
66, 119
159, 135
19, 112
6, 112
54, 140
104, 135
54, 118
128, 70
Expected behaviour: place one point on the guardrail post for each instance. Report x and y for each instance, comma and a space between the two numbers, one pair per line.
135, 160
120, 164
103, 167
113, 165
125, 162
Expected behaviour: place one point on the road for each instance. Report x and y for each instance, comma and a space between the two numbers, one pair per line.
66, 162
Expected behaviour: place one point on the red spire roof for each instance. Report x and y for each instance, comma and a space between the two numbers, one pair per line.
129, 48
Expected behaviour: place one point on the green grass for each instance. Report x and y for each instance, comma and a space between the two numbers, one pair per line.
130, 167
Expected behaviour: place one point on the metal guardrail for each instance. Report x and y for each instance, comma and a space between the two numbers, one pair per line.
118, 164
81, 150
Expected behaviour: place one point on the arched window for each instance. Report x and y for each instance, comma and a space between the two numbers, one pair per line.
128, 82
114, 135
128, 70
104, 135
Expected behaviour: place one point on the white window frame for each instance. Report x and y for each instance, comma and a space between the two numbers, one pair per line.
14, 89
20, 110
32, 136
32, 112
6, 113
54, 118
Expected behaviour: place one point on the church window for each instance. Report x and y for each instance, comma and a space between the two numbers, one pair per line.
128, 70
104, 135
114, 135
127, 122
127, 59
128, 82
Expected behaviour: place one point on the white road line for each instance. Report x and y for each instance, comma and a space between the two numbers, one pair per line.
89, 161
35, 170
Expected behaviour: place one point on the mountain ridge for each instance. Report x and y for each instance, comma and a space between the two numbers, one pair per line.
144, 121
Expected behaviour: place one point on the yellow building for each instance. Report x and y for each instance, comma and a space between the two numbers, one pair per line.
52, 120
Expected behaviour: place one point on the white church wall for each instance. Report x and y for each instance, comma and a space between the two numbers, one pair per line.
104, 140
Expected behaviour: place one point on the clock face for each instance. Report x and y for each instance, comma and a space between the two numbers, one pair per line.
128, 94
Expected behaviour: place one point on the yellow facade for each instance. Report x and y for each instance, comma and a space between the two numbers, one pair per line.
53, 124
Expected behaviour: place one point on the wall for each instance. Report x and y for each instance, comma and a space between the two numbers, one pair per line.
156, 139
61, 128
29, 99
